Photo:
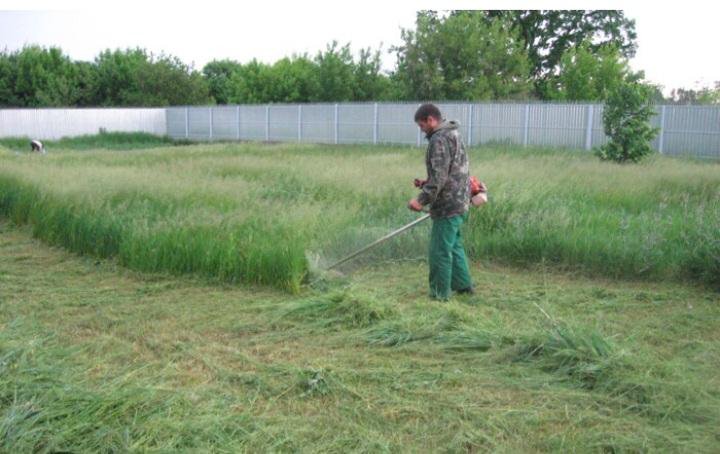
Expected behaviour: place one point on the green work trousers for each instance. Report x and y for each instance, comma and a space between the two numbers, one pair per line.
448, 263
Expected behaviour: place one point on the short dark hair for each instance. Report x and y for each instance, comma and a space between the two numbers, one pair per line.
427, 110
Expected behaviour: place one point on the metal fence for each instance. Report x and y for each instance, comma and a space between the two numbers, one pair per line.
57, 123
684, 130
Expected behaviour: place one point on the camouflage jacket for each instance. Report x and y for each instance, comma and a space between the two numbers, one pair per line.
446, 190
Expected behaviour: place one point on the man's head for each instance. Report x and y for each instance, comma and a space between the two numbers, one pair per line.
428, 117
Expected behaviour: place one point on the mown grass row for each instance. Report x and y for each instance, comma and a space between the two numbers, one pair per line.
48, 404
533, 362
255, 213
574, 354
362, 367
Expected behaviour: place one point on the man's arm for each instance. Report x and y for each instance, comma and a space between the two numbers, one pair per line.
438, 172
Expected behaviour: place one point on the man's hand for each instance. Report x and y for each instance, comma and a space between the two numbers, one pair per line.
479, 199
414, 205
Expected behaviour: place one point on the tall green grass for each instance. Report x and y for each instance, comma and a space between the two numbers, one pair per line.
255, 213
104, 140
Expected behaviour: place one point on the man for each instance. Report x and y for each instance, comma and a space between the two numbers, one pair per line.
447, 193
36, 145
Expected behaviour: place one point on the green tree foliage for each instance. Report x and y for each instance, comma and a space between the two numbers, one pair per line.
8, 76
626, 119
218, 74
287, 80
456, 55
86, 83
587, 75
35, 76
370, 83
45, 77
462, 57
250, 83
548, 34
333, 75
133, 77
294, 80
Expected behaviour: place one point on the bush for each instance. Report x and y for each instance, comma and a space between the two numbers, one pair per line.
627, 122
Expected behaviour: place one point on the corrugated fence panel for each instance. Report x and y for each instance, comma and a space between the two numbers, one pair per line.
396, 124
225, 123
557, 125
355, 123
57, 123
252, 122
499, 123
598, 129
199, 123
687, 130
457, 112
175, 117
692, 130
318, 123
284, 123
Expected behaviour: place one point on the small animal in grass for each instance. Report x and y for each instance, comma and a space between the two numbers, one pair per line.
37, 146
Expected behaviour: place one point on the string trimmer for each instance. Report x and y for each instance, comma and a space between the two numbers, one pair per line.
478, 194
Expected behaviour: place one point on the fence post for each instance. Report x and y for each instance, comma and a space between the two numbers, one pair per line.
375, 123
470, 131
237, 122
299, 122
267, 123
527, 125
187, 123
588, 128
210, 134
337, 122
661, 142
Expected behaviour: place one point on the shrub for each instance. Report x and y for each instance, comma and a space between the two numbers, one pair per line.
627, 122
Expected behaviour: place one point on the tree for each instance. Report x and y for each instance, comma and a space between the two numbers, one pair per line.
36, 77
250, 84
167, 81
294, 79
462, 57
332, 75
370, 84
8, 76
585, 75
135, 78
548, 34
218, 74
335, 73
626, 121
86, 83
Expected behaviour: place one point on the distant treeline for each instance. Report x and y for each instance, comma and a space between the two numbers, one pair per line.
576, 55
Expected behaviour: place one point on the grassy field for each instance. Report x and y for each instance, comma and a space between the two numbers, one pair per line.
97, 358
594, 326
104, 140
267, 214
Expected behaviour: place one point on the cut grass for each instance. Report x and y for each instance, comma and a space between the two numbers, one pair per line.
96, 358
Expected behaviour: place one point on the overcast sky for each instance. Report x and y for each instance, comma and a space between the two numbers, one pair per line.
677, 47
